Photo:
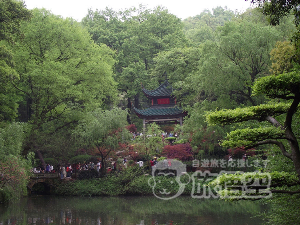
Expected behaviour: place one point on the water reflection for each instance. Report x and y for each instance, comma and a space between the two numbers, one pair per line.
129, 211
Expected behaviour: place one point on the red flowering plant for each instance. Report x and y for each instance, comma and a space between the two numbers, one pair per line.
182, 152
131, 128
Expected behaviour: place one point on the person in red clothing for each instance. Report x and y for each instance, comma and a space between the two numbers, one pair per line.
152, 163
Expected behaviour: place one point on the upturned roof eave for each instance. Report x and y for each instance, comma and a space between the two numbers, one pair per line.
157, 93
145, 113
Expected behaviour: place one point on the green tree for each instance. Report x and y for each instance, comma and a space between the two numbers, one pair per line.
280, 116
200, 35
177, 65
153, 139
103, 130
282, 57
137, 35
218, 17
201, 27
277, 9
107, 27
151, 32
229, 67
63, 73
12, 13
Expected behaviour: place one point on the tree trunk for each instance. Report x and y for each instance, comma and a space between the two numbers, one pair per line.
41, 158
129, 110
295, 153
136, 101
293, 142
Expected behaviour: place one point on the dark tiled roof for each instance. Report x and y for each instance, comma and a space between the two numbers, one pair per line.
165, 111
164, 90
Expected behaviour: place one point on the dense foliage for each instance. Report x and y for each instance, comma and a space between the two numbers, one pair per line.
73, 85
182, 152
14, 168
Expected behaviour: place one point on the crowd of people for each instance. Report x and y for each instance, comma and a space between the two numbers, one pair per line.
49, 169
163, 135
68, 170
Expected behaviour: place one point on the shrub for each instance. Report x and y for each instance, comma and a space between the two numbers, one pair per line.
87, 174
14, 176
182, 152
139, 186
181, 141
132, 128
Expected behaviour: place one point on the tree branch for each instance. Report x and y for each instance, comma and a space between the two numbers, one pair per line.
15, 86
279, 144
291, 112
274, 122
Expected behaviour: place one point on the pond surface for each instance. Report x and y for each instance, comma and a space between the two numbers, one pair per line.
183, 210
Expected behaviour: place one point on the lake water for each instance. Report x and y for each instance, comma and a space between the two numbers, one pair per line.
149, 210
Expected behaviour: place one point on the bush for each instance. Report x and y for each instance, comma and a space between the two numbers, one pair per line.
139, 186
228, 181
88, 174
14, 175
131, 128
181, 141
170, 139
182, 152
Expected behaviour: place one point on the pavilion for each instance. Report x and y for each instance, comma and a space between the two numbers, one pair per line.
163, 107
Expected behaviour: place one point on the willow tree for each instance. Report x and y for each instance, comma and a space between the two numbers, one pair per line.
281, 117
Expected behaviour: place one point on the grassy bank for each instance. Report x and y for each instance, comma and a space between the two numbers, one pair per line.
133, 181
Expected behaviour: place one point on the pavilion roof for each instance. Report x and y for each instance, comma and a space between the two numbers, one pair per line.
164, 90
159, 112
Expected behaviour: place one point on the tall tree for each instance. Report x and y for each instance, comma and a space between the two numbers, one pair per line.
62, 73
230, 66
227, 69
138, 35
178, 65
12, 13
213, 19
